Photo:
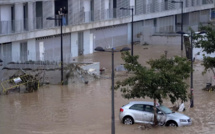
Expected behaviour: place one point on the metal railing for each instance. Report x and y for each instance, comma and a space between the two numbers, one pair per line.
20, 26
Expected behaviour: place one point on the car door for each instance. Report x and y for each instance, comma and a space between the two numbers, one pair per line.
137, 111
148, 114
161, 117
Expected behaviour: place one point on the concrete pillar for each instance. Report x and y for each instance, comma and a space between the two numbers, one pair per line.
30, 16
31, 46
16, 51
19, 16
87, 10
106, 6
132, 4
74, 44
87, 43
48, 11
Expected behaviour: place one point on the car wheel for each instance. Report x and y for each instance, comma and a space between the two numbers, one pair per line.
172, 124
128, 120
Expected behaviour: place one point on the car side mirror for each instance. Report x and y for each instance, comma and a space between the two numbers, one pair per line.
160, 112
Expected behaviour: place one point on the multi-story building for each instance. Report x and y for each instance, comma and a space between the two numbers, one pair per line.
26, 34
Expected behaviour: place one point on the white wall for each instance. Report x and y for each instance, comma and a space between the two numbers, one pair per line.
74, 44
16, 51
31, 46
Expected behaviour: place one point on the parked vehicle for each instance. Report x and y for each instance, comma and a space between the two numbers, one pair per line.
143, 112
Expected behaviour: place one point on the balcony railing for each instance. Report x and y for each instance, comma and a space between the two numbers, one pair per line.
20, 26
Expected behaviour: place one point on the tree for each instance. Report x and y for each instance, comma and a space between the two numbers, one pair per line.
164, 79
208, 46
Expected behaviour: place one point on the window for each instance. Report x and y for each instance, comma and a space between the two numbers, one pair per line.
148, 108
138, 107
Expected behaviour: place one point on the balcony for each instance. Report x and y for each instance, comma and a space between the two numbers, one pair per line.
22, 26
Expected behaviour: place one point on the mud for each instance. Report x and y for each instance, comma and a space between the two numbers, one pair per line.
86, 109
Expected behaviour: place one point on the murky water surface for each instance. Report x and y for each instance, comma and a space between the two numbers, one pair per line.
86, 109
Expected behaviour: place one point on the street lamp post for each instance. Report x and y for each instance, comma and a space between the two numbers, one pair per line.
132, 29
112, 77
182, 23
61, 43
1, 62
191, 59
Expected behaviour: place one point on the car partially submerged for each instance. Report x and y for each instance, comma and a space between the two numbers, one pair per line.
143, 112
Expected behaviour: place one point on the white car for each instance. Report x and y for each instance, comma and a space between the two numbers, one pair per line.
143, 112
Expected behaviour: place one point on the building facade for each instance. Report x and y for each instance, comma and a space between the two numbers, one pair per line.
27, 35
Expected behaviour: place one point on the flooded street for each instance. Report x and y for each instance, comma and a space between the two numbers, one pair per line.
86, 109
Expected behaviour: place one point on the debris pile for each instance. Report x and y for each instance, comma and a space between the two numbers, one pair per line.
20, 81
75, 74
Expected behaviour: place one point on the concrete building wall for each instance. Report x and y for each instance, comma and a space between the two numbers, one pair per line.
162, 40
48, 11
123, 3
204, 15
109, 37
74, 44
87, 43
52, 47
5, 12
19, 16
165, 24
16, 51
138, 30
5, 17
31, 46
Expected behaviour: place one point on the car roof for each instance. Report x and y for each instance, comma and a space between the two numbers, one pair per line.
142, 102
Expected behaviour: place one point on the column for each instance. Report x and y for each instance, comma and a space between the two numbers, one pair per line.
106, 2
132, 4
30, 16
19, 17
87, 10
87, 42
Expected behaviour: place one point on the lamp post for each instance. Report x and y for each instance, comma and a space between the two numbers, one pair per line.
191, 59
61, 43
182, 23
112, 77
1, 62
132, 22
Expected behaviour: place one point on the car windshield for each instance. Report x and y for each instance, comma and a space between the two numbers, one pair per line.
166, 110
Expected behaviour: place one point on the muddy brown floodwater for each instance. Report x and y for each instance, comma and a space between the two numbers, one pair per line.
86, 109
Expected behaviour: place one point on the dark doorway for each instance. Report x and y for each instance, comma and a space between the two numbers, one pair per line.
80, 43
39, 15
114, 8
60, 4
23, 52
12, 18
25, 12
92, 9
